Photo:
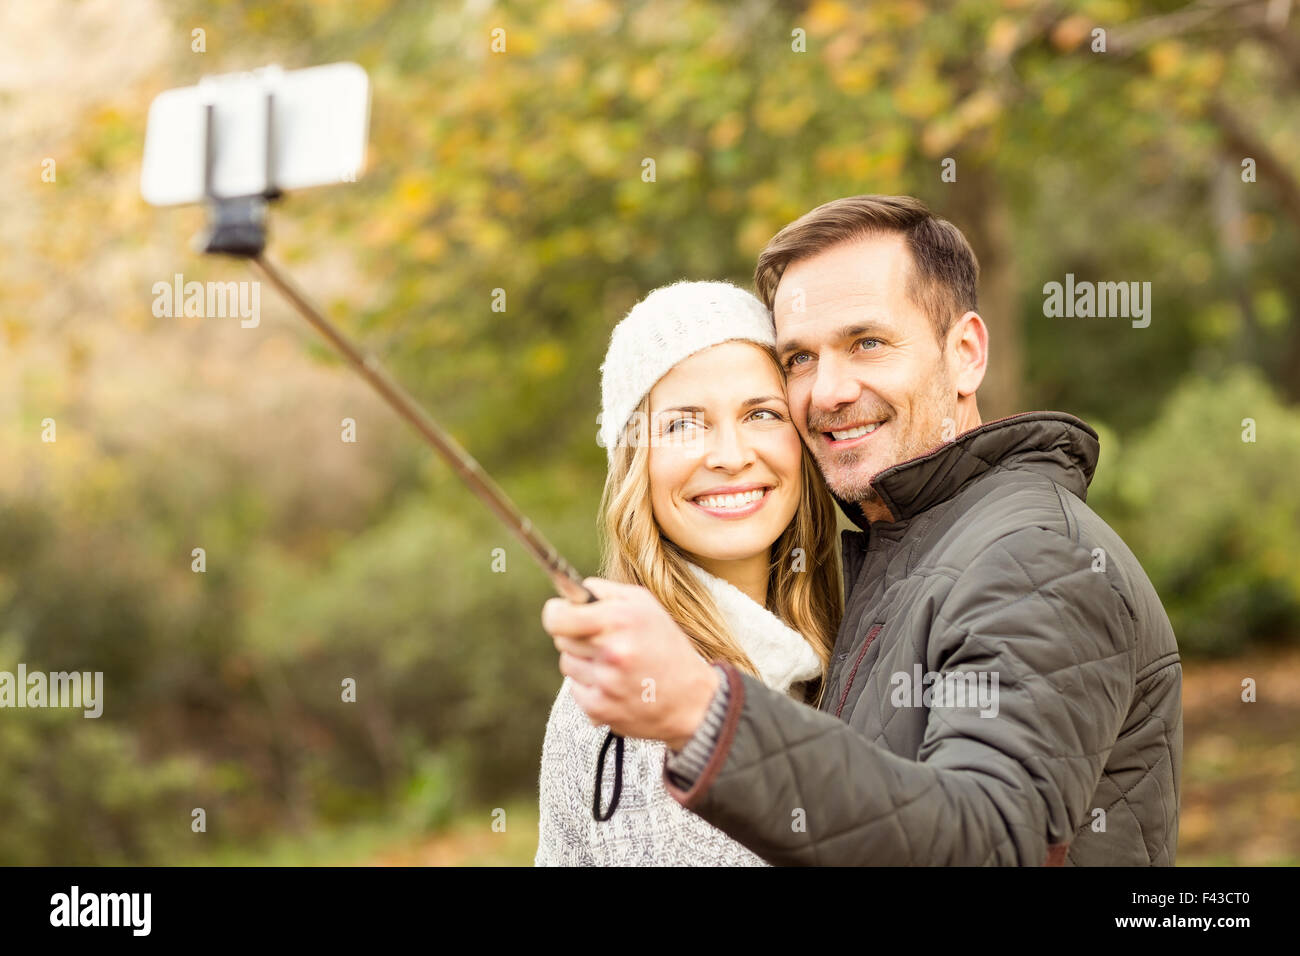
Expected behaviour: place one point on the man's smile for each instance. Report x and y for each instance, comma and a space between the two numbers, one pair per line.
850, 436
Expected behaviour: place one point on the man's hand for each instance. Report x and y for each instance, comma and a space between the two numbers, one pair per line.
632, 667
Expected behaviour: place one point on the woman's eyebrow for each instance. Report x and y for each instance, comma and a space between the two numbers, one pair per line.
747, 403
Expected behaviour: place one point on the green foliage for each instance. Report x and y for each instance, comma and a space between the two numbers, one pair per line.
445, 652
78, 791
431, 792
1214, 517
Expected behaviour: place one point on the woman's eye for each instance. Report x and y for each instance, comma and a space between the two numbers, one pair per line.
672, 426
774, 415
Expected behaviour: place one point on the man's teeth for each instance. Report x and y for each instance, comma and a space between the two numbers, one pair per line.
855, 432
741, 500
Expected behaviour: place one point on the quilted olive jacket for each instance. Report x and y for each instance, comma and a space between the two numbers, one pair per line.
1005, 687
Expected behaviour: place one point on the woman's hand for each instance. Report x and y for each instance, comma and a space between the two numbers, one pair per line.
632, 667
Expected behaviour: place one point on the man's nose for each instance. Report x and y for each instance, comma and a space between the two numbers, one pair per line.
728, 450
834, 386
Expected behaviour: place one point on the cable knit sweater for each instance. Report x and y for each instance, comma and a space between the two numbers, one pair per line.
650, 828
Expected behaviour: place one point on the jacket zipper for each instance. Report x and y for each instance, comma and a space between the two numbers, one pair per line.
848, 685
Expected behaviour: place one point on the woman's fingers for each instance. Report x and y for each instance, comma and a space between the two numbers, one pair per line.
583, 670
584, 648
605, 589
563, 618
592, 700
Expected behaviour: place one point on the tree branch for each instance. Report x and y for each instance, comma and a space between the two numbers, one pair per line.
1241, 142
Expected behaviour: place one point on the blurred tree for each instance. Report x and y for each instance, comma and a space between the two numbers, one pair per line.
1068, 157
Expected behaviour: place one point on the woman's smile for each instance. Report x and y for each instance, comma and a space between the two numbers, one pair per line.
732, 503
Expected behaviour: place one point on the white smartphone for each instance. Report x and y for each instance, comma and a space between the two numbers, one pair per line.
318, 123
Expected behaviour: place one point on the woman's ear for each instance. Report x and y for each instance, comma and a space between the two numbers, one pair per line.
969, 341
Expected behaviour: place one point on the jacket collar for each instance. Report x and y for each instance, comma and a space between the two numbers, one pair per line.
779, 652
1054, 444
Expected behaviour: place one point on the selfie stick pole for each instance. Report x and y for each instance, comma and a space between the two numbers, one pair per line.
567, 580
237, 227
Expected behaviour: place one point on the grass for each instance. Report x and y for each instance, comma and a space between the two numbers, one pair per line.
469, 840
1241, 763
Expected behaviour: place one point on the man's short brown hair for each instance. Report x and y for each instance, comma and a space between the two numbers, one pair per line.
944, 275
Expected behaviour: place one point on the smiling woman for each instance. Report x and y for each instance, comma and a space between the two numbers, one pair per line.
714, 506
725, 474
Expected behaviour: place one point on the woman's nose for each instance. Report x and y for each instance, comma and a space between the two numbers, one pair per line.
728, 450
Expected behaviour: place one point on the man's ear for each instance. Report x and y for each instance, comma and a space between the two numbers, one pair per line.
968, 340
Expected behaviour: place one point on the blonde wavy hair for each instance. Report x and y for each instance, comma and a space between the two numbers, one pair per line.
634, 550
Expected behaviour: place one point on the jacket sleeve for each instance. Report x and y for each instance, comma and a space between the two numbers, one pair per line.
799, 786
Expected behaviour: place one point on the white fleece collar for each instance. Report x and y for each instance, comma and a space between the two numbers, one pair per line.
779, 652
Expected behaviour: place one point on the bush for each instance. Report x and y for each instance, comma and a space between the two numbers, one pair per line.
78, 791
1212, 514
448, 655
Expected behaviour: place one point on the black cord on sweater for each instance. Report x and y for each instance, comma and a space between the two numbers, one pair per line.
610, 737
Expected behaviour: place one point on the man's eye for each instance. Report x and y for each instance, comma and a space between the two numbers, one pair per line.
793, 360
874, 342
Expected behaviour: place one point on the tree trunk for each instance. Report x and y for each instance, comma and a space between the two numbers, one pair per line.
979, 210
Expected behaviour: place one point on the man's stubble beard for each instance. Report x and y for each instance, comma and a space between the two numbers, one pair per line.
941, 405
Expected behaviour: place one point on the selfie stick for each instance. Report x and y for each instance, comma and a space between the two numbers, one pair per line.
237, 227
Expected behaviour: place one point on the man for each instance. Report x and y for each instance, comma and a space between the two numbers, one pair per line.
1005, 686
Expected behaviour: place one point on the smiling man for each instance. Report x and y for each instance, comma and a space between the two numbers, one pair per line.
978, 572
874, 379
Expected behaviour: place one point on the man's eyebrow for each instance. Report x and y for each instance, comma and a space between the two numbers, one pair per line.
848, 331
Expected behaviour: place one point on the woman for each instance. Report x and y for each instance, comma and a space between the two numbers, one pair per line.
714, 505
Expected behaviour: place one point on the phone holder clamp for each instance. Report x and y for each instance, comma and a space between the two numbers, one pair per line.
237, 224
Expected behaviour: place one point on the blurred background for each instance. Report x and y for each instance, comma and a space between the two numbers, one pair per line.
523, 171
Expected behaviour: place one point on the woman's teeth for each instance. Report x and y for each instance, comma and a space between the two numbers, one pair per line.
855, 432
742, 500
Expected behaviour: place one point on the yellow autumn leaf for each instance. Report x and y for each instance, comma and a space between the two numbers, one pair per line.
826, 16
1070, 32
646, 81
15, 332
726, 131
1002, 37
1165, 58
545, 359
979, 109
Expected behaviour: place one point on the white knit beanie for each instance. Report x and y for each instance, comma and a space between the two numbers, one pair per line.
672, 323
